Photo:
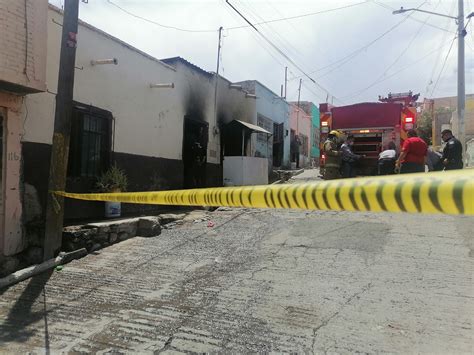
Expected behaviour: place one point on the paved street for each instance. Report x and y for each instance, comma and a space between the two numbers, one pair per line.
259, 280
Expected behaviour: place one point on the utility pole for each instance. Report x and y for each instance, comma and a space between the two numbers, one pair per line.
434, 127
461, 77
286, 79
298, 111
217, 78
62, 130
461, 104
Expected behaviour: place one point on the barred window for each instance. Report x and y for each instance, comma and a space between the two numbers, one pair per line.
90, 147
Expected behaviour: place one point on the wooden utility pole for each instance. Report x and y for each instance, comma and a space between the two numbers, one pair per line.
219, 46
298, 110
62, 130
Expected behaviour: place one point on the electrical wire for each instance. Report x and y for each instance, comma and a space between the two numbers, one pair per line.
234, 27
404, 51
280, 40
437, 61
347, 58
27, 41
388, 7
322, 99
156, 23
442, 68
303, 15
299, 33
258, 39
283, 54
357, 93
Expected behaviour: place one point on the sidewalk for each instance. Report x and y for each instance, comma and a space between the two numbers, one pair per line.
307, 176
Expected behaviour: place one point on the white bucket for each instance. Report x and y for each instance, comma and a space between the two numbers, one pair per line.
112, 209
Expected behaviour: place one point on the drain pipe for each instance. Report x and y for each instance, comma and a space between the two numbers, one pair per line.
31, 271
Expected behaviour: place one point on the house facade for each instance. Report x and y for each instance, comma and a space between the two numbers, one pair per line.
143, 114
117, 118
444, 114
301, 127
271, 113
312, 110
23, 36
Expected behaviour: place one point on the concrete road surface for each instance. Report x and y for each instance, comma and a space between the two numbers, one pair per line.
259, 281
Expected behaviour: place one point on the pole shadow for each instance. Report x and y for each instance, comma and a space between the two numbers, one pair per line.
29, 308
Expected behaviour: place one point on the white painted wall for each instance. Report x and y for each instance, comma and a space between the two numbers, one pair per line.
148, 121
244, 171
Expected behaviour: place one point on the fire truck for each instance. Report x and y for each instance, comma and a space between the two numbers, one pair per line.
373, 125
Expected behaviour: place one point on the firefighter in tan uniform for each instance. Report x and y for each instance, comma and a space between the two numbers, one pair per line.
331, 150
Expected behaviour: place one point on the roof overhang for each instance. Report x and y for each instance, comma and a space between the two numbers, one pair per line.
251, 127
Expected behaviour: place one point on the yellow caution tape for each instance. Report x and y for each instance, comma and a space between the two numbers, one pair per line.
443, 192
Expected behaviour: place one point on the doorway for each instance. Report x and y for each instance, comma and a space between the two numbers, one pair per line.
195, 140
277, 144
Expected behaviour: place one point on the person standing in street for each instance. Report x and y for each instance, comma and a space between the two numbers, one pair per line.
433, 160
348, 159
332, 164
452, 153
387, 158
295, 150
413, 156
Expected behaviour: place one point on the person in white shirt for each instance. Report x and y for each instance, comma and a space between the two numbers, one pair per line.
387, 158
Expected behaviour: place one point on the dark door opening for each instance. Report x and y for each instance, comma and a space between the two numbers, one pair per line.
196, 137
277, 144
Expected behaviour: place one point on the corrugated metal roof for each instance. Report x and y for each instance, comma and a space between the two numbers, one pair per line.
171, 61
253, 127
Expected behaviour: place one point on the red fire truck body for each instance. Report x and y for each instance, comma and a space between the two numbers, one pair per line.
373, 125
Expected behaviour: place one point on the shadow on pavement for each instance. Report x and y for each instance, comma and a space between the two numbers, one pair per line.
28, 309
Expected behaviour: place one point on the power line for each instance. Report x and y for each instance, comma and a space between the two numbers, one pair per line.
430, 82
353, 54
156, 23
317, 95
298, 32
412, 18
278, 49
401, 54
357, 93
258, 39
235, 27
303, 15
284, 44
442, 68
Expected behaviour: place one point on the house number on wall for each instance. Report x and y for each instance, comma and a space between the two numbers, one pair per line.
13, 156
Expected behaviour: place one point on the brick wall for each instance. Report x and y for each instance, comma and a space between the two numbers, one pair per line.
23, 37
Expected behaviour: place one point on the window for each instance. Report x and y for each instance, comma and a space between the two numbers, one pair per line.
278, 133
90, 147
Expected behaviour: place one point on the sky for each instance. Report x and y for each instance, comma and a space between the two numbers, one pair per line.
345, 51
